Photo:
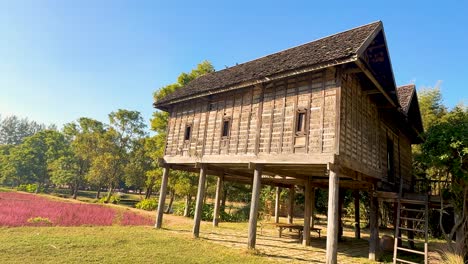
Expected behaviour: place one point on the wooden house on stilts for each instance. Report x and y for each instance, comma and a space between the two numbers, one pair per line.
326, 114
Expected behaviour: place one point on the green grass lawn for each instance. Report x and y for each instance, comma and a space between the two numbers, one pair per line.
115, 244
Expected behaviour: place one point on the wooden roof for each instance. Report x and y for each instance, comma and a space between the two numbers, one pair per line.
405, 94
408, 98
325, 52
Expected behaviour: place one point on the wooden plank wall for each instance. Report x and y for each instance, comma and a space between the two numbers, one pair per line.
363, 134
360, 135
262, 119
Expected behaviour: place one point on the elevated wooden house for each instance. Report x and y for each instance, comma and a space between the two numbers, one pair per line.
325, 114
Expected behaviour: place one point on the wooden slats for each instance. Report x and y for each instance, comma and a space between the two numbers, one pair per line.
406, 261
410, 250
411, 229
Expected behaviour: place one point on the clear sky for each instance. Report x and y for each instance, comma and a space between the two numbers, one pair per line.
60, 60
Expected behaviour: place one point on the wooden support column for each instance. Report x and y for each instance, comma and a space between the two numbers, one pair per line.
162, 198
291, 205
340, 214
312, 208
357, 222
307, 209
199, 202
219, 189
254, 201
277, 204
374, 227
332, 218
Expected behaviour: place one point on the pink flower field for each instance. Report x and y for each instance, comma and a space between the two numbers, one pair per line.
22, 209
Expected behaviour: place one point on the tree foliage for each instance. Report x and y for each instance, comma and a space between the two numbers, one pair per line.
444, 156
13, 130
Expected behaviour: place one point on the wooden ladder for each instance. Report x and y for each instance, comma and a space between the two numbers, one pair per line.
414, 212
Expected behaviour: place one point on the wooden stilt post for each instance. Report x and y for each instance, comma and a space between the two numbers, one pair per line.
256, 186
374, 227
340, 214
199, 202
219, 189
162, 198
277, 204
357, 224
332, 219
307, 209
291, 205
312, 209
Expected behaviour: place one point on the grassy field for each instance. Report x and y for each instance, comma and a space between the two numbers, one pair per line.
114, 244
174, 244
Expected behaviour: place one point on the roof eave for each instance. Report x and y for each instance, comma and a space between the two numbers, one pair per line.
352, 58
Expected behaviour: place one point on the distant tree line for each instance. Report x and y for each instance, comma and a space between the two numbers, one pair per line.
89, 154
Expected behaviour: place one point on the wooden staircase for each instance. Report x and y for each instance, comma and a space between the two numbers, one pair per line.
411, 226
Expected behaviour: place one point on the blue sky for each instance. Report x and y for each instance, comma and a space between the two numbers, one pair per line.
61, 60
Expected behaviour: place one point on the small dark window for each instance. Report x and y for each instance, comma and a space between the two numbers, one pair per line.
188, 132
390, 161
226, 127
301, 118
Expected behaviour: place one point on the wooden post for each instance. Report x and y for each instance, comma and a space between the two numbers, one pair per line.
162, 198
256, 185
332, 219
199, 202
340, 214
312, 209
277, 204
307, 209
374, 227
219, 187
291, 205
357, 222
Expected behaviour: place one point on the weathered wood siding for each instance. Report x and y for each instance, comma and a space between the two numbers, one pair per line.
364, 134
359, 126
263, 119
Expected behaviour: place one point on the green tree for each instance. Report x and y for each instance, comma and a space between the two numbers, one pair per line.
31, 160
431, 105
139, 164
114, 148
180, 182
445, 153
73, 166
13, 130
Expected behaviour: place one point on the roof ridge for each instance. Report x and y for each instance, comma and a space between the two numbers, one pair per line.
320, 53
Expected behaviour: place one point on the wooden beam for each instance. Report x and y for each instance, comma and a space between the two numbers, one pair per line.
256, 186
291, 205
371, 92
277, 204
199, 202
357, 224
307, 209
332, 219
219, 189
162, 198
374, 227
371, 77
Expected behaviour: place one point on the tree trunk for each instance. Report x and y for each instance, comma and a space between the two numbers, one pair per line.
169, 207
37, 188
109, 193
75, 190
223, 200
98, 194
188, 199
